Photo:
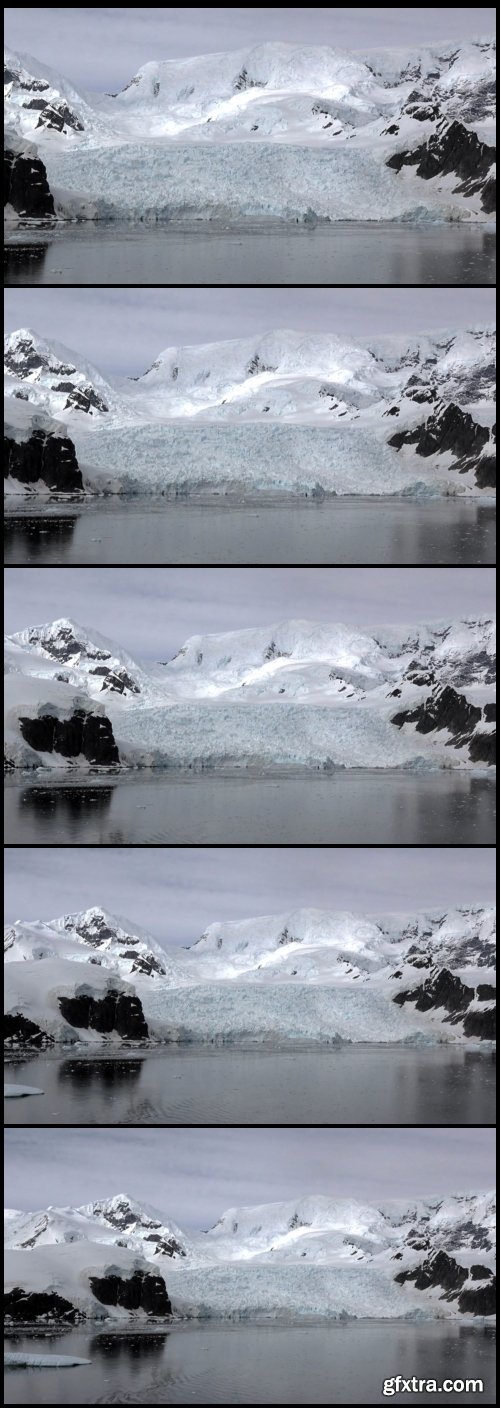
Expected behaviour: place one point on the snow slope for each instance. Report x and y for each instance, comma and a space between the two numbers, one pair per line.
294, 132
315, 1256
315, 697
283, 412
301, 976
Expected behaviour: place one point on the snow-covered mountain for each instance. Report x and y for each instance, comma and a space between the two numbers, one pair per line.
297, 132
305, 975
150, 433
113, 943
312, 1256
398, 697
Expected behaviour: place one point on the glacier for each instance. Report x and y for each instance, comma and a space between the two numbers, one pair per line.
301, 133
284, 413
306, 976
295, 695
313, 1257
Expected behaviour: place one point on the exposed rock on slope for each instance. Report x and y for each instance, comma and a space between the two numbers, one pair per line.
452, 429
115, 1012
446, 709
44, 457
453, 149
83, 734
27, 189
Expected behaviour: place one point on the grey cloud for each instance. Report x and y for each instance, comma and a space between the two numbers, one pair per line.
195, 1175
122, 330
103, 48
151, 611
176, 893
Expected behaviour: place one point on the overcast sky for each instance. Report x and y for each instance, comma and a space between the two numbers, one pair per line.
175, 893
151, 611
194, 1175
122, 330
102, 48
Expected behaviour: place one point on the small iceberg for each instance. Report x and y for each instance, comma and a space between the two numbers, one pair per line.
11, 1091
42, 1361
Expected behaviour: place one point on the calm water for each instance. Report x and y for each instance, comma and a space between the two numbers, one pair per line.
194, 1085
358, 806
335, 1363
271, 254
367, 530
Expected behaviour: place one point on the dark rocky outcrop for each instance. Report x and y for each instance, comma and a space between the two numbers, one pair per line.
26, 186
481, 1023
480, 1273
440, 989
453, 150
165, 1246
443, 709
143, 963
490, 713
83, 398
141, 1291
485, 991
46, 456
114, 1012
453, 430
438, 1269
118, 681
57, 117
27, 1307
90, 735
486, 472
478, 1301
20, 1031
483, 748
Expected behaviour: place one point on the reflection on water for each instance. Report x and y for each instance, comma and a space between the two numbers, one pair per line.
383, 807
216, 1362
347, 530
96, 1076
270, 254
128, 1348
24, 263
64, 805
31, 539
234, 1085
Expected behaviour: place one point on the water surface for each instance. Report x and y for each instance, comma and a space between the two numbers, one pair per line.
355, 806
193, 1085
272, 254
252, 1363
345, 530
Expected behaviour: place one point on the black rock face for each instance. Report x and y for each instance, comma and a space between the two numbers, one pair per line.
457, 151
45, 456
58, 116
116, 1011
441, 989
456, 431
26, 186
84, 397
26, 1307
444, 709
481, 1301
481, 1024
20, 1031
484, 991
141, 1291
480, 1273
83, 733
483, 748
165, 1246
437, 1270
